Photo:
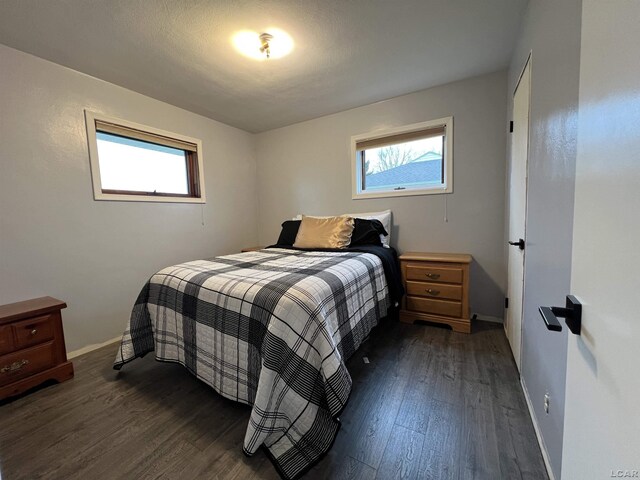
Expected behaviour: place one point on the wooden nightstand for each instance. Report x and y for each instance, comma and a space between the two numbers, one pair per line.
251, 249
437, 289
32, 346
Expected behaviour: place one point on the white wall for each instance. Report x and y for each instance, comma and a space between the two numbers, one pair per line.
550, 31
56, 240
306, 168
602, 422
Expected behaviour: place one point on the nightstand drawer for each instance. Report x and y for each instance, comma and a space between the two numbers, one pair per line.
427, 273
6, 339
434, 290
436, 307
33, 331
26, 362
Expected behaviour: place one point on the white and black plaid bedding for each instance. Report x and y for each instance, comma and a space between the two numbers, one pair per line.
271, 329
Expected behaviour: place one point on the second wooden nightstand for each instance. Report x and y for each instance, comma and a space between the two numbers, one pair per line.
32, 348
437, 289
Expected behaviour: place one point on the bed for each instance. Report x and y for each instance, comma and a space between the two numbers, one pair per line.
272, 329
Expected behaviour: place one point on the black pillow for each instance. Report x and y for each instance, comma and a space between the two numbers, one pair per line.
289, 232
367, 232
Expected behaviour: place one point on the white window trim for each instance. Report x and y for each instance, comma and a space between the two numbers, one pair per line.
91, 117
356, 173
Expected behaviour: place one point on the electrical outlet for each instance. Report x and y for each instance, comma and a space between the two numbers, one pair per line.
546, 402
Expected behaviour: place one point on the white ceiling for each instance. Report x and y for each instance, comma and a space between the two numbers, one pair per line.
347, 52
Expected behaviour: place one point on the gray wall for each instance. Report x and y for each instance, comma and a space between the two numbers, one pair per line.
306, 168
551, 31
56, 240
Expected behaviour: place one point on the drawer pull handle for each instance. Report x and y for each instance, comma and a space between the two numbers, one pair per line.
433, 292
433, 275
14, 366
33, 332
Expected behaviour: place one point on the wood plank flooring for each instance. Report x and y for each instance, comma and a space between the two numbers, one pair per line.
431, 404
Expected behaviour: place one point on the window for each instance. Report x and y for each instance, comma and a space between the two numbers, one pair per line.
137, 163
411, 160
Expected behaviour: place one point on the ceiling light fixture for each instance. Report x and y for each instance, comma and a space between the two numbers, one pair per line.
265, 48
271, 45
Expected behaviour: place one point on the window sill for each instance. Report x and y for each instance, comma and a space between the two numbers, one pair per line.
147, 198
402, 193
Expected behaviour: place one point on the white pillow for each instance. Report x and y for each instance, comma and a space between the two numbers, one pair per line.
384, 217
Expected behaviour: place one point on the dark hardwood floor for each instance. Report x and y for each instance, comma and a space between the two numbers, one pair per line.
430, 404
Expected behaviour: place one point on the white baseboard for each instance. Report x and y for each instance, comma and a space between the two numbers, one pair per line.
534, 420
488, 318
91, 348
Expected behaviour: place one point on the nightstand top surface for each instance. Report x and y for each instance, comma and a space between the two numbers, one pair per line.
437, 257
29, 308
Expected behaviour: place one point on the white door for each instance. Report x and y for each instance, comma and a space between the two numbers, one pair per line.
602, 419
517, 210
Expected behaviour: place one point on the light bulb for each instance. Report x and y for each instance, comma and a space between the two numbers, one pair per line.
250, 44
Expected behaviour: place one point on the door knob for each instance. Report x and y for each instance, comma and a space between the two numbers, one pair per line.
519, 243
572, 314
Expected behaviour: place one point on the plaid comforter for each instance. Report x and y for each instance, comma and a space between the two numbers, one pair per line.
271, 329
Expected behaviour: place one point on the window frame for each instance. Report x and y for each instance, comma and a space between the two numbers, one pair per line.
194, 162
447, 159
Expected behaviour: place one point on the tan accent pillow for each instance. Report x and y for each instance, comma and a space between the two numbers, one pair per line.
329, 232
